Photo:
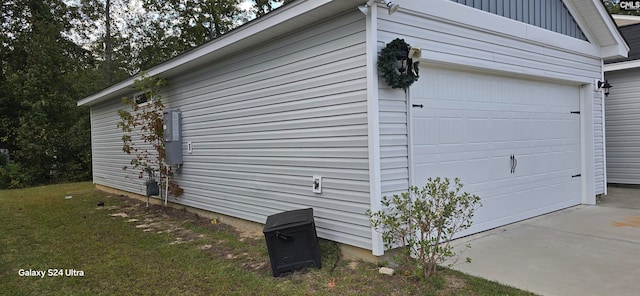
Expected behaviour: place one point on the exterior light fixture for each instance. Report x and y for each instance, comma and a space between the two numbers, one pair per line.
605, 86
390, 5
402, 61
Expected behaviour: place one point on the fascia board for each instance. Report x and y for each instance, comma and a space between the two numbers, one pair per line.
622, 66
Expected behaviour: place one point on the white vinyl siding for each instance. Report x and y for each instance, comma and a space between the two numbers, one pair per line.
599, 146
263, 122
394, 142
473, 48
108, 157
623, 127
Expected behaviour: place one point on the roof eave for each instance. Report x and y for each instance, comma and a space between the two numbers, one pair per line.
620, 48
625, 20
614, 51
622, 66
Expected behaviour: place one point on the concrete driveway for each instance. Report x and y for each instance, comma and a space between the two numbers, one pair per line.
583, 250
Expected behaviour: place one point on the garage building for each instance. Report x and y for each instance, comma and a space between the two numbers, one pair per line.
507, 100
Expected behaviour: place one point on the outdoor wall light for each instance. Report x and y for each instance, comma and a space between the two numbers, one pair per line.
605, 86
390, 5
402, 61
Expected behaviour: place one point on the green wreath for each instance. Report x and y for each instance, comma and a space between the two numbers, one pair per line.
387, 65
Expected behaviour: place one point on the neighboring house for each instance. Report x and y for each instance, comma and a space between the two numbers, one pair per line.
297, 94
625, 20
622, 108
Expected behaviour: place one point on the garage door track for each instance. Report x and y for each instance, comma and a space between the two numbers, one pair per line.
582, 250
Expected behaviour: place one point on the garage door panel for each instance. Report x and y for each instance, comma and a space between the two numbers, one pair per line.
478, 130
539, 182
501, 130
472, 123
476, 175
447, 169
490, 215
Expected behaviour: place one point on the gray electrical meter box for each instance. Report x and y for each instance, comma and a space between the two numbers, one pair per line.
172, 136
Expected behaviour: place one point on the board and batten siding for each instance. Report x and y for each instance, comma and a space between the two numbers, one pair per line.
474, 49
623, 127
552, 15
262, 123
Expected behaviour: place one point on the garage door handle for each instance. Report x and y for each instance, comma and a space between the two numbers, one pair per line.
511, 162
514, 163
577, 175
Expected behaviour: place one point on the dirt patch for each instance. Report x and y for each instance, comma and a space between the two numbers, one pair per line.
162, 220
249, 235
454, 284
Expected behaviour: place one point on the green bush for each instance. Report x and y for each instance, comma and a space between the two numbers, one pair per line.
12, 176
423, 221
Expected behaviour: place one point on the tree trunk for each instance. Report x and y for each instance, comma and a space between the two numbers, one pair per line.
107, 42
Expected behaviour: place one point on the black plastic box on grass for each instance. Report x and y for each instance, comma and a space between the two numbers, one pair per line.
292, 241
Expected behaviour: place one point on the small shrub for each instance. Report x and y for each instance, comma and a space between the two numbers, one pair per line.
13, 176
142, 129
422, 222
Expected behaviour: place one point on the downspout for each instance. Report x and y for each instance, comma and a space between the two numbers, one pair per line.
93, 146
587, 144
373, 120
166, 189
604, 131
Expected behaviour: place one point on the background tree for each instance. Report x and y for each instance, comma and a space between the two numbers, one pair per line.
9, 105
41, 85
184, 24
262, 7
146, 33
101, 28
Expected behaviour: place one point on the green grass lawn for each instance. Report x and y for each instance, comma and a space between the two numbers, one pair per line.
123, 249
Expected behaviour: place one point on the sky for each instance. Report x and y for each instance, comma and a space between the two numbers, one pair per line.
245, 5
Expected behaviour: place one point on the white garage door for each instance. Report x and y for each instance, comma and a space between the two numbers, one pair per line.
470, 124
